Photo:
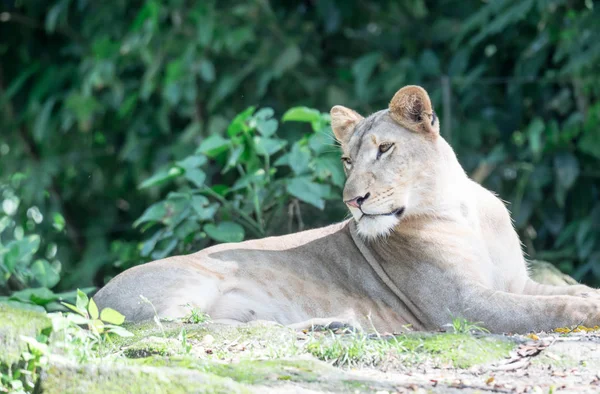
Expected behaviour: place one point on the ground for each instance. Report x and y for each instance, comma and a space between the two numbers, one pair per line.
184, 357
59, 353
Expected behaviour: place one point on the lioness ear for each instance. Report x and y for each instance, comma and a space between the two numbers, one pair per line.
411, 108
343, 122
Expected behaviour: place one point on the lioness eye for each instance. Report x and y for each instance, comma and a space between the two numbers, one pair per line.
384, 148
347, 162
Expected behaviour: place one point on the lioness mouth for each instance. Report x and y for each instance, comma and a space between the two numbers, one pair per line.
397, 212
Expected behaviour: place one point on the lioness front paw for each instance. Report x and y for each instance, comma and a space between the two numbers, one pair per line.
335, 326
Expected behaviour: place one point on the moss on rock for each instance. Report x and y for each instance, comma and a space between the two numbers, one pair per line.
152, 346
249, 371
14, 323
64, 377
462, 350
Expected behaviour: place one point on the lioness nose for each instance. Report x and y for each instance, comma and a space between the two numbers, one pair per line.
356, 202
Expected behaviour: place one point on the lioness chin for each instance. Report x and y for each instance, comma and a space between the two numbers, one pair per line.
426, 244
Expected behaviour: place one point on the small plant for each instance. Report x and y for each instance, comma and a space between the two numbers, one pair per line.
100, 323
356, 349
463, 326
185, 346
195, 316
155, 318
22, 377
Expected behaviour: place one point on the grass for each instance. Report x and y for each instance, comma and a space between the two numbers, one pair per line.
193, 352
464, 326
195, 316
461, 350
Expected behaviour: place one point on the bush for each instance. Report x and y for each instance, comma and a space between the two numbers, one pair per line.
256, 184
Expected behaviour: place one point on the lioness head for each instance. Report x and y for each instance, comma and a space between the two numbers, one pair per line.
389, 158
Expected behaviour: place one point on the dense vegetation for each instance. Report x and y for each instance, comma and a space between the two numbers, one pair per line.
135, 130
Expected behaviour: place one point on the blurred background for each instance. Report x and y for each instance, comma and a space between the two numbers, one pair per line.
134, 130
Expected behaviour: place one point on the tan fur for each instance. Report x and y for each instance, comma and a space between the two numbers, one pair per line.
437, 246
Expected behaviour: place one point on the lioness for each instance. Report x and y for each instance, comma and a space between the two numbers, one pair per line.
426, 244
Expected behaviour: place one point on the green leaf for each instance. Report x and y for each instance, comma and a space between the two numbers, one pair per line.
111, 316
58, 221
148, 13
264, 113
330, 166
534, 134
93, 309
256, 177
268, 146
234, 157
267, 127
299, 158
566, 167
214, 145
308, 191
196, 176
206, 212
238, 124
199, 200
287, 60
301, 114
18, 82
24, 249
363, 67
186, 228
153, 213
79, 317
283, 160
120, 331
42, 121
162, 176
52, 16
44, 273
38, 296
193, 161
166, 246
82, 300
264, 122
206, 70
98, 325
225, 232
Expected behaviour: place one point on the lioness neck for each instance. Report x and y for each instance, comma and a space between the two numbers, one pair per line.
442, 187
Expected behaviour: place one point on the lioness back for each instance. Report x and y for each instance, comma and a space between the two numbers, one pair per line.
289, 279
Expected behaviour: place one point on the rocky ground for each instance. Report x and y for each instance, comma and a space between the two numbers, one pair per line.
199, 356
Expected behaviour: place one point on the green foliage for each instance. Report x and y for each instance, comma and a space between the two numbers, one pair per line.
137, 113
196, 316
353, 350
65, 336
100, 323
22, 377
463, 326
18, 267
254, 180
